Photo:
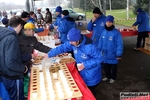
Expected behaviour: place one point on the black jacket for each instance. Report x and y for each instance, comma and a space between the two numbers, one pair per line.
27, 46
11, 66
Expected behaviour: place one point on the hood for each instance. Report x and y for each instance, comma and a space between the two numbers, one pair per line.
69, 18
5, 32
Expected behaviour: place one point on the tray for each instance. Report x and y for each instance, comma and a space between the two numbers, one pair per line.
53, 83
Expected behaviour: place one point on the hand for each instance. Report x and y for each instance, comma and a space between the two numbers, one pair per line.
80, 66
133, 25
46, 56
26, 69
55, 27
93, 19
34, 55
118, 58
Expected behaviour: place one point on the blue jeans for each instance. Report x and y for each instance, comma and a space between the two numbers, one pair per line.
14, 88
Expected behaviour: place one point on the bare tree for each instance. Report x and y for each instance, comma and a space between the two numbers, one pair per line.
97, 3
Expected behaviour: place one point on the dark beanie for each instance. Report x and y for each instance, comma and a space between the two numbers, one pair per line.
110, 18
47, 9
58, 9
65, 12
25, 15
139, 10
5, 21
97, 10
74, 35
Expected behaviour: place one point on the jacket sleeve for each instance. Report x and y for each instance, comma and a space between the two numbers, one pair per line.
119, 44
39, 30
138, 21
26, 57
100, 44
39, 46
95, 58
63, 27
90, 26
11, 57
63, 48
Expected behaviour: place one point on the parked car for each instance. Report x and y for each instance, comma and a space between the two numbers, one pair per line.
75, 15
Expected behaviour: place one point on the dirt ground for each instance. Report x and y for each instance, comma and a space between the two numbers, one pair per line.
132, 73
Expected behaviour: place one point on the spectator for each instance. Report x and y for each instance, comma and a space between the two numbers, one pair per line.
39, 17
28, 43
143, 27
96, 25
111, 47
32, 20
48, 16
86, 54
66, 24
5, 21
32, 17
25, 17
11, 67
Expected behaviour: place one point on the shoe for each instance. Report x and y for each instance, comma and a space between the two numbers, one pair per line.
105, 79
111, 81
136, 49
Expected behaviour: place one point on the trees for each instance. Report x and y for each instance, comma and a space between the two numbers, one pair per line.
142, 4
115, 4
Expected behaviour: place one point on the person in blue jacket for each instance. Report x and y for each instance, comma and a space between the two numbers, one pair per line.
32, 19
66, 24
111, 47
58, 12
96, 25
11, 68
143, 27
86, 54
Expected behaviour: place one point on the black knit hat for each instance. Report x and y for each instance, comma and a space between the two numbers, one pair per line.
47, 9
97, 10
65, 12
25, 15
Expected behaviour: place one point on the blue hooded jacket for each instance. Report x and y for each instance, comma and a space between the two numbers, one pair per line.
87, 54
142, 22
97, 27
11, 66
66, 24
111, 45
57, 22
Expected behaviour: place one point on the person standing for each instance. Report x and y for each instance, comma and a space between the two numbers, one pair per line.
58, 12
11, 68
143, 27
28, 43
39, 17
86, 54
5, 21
111, 47
66, 24
48, 16
96, 25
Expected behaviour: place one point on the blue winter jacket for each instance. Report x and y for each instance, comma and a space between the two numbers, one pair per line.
97, 27
57, 22
87, 54
142, 22
111, 45
11, 66
66, 24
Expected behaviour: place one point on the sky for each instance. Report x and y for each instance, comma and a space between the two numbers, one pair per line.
14, 1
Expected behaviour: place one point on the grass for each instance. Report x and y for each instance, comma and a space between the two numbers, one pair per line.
118, 14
